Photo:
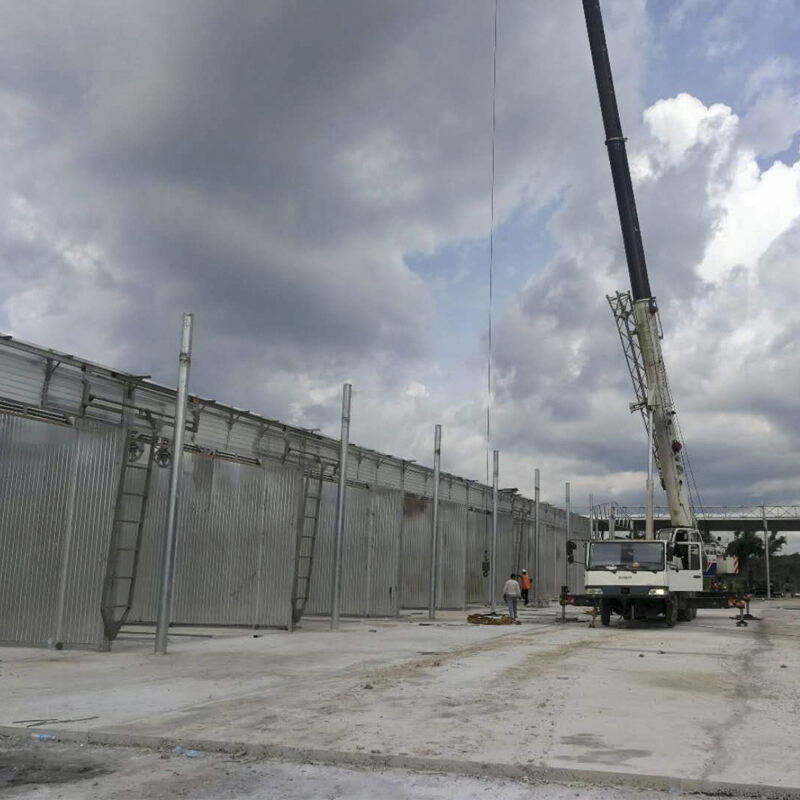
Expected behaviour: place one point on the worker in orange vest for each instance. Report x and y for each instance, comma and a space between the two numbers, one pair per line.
525, 585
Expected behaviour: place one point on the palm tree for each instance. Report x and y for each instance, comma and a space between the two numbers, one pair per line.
751, 543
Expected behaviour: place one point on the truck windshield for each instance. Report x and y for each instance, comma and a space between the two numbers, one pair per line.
626, 555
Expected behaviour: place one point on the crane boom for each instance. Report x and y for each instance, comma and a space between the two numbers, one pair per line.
666, 441
661, 574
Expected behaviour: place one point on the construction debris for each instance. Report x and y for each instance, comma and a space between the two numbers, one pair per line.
490, 619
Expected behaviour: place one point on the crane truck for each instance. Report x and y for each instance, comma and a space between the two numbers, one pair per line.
660, 575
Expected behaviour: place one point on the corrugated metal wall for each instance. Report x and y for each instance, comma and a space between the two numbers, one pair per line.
479, 538
416, 566
384, 554
451, 580
60, 458
355, 553
58, 487
236, 547
319, 598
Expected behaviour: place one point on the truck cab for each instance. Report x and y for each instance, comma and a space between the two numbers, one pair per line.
646, 578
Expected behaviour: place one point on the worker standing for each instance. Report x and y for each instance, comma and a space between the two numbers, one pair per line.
511, 592
525, 585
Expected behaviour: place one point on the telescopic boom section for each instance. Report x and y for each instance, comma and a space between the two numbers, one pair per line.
617, 155
665, 437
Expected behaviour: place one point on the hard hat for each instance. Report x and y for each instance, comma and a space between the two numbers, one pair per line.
524, 570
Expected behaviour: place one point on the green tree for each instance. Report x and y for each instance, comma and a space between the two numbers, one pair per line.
747, 544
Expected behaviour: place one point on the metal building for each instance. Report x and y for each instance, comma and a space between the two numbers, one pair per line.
84, 451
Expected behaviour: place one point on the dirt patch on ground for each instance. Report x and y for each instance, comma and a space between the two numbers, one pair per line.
23, 764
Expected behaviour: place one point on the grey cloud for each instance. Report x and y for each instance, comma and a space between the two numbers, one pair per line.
272, 167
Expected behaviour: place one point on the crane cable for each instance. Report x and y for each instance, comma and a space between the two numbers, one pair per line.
685, 456
491, 252
685, 453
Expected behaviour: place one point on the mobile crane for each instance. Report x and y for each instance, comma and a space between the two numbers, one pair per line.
662, 574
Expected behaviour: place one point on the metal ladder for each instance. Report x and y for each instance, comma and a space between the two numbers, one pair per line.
307, 526
126, 533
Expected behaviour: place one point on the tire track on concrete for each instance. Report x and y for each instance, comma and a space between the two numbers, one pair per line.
547, 664
747, 687
298, 702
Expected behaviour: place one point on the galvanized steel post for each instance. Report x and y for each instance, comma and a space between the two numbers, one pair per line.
766, 548
340, 508
591, 516
537, 544
493, 568
174, 503
569, 535
437, 454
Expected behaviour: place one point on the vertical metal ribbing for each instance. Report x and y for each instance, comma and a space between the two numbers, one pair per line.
173, 509
493, 563
437, 454
399, 571
69, 529
262, 548
340, 508
371, 502
466, 549
537, 541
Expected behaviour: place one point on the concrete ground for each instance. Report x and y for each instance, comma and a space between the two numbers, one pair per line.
634, 705
67, 771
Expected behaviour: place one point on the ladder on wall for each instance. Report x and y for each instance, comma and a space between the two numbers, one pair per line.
307, 526
126, 532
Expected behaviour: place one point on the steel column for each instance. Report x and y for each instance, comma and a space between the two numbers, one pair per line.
340, 508
493, 567
437, 455
766, 548
176, 474
569, 534
537, 542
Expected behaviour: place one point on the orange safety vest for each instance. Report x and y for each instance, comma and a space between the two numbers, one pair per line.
525, 581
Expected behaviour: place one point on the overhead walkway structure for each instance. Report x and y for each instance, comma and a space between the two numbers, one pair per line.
783, 518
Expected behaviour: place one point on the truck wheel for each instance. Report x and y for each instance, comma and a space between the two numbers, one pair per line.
684, 614
693, 613
605, 612
671, 613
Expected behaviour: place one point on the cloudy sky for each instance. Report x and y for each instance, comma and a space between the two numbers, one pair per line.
312, 178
